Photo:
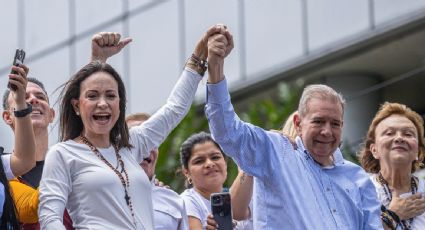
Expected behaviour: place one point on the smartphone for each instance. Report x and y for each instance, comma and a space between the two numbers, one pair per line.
18, 60
222, 210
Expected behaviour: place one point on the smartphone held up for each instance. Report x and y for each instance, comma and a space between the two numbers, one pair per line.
222, 210
17, 61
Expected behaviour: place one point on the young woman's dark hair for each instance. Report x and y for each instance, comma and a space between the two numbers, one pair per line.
8, 218
71, 125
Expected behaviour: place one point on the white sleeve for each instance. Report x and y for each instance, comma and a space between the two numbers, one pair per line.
193, 208
54, 188
6, 166
152, 133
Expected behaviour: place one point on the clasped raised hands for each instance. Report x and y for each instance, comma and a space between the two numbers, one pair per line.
107, 44
219, 47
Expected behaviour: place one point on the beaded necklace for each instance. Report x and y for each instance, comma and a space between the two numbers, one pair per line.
124, 181
405, 224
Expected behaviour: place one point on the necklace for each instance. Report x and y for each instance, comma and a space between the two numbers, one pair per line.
124, 181
405, 224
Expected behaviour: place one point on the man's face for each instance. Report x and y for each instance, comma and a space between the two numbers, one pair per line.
42, 115
320, 129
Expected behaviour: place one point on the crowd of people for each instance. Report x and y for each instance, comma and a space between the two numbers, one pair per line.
101, 173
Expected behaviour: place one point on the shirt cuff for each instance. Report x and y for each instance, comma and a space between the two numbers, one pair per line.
192, 72
218, 93
6, 166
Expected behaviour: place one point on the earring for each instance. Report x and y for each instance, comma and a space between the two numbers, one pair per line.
189, 180
78, 113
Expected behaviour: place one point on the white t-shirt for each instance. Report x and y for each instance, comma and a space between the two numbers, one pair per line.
76, 179
419, 221
199, 207
169, 210
92, 192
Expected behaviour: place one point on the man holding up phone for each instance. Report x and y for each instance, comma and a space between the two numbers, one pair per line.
24, 187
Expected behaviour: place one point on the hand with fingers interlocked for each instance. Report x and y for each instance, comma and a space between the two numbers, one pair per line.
219, 47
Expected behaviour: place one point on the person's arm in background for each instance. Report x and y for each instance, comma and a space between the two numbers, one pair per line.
153, 132
241, 195
23, 157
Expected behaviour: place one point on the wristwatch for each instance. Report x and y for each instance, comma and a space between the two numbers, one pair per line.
23, 112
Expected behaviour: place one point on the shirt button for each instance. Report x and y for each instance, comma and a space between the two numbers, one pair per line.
333, 210
328, 189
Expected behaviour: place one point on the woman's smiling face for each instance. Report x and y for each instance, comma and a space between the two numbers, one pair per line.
98, 104
396, 141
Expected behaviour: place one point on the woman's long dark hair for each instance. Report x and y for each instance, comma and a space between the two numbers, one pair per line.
8, 218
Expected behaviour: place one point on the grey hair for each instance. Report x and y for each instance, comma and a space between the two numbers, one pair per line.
319, 91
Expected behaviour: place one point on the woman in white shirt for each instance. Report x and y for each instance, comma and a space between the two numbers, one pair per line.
94, 172
205, 168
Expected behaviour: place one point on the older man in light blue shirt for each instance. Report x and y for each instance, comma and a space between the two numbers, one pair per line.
309, 186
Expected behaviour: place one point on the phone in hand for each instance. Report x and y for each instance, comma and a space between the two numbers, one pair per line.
222, 210
18, 60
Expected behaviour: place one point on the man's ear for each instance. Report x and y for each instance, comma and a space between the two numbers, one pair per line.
7, 117
297, 123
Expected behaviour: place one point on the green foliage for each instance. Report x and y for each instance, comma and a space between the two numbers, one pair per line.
269, 113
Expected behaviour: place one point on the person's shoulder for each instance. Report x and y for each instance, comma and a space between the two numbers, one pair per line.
162, 191
190, 195
353, 170
167, 197
187, 192
65, 148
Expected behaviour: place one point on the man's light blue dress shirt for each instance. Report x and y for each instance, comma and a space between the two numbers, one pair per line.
292, 191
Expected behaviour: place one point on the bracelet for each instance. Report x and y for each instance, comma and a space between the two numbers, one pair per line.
197, 64
390, 218
23, 112
394, 216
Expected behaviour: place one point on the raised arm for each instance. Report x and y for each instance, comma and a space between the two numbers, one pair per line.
241, 195
23, 157
250, 146
106, 44
153, 132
